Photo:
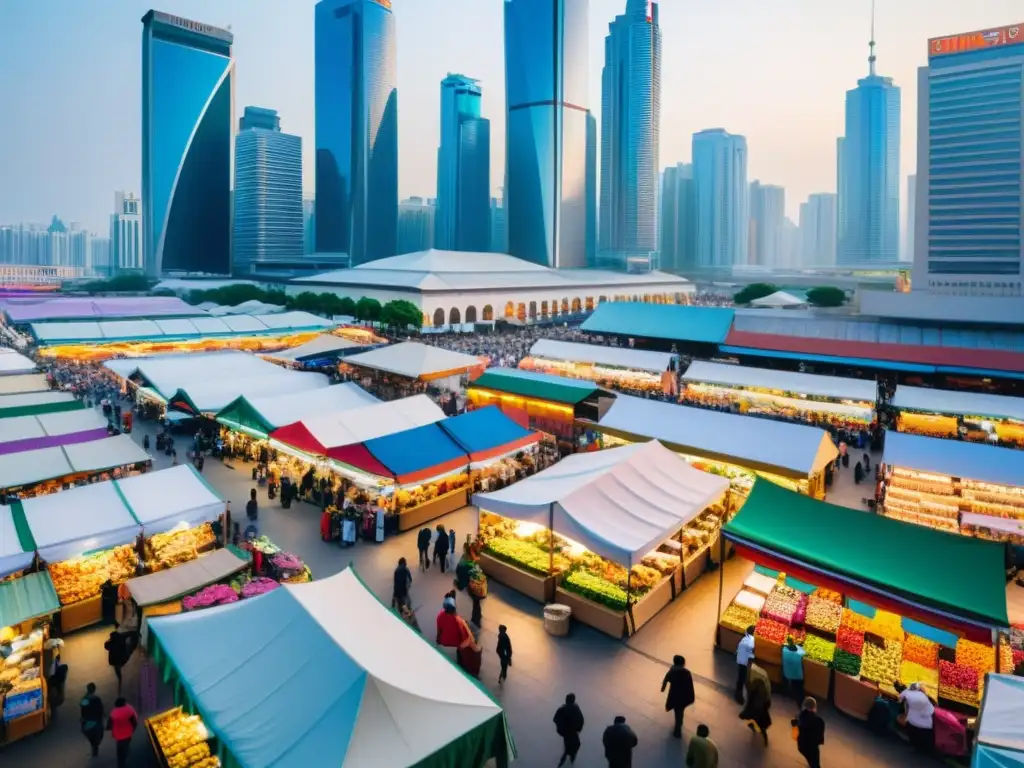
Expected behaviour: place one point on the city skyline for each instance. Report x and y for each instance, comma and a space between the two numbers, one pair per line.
97, 63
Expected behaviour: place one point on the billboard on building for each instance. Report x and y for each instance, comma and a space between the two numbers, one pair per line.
973, 41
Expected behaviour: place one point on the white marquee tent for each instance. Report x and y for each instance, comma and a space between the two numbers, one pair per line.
173, 497
415, 360
954, 403
12, 362
29, 467
779, 300
277, 410
832, 387
13, 556
598, 354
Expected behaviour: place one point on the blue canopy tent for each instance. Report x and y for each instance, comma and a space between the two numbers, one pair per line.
417, 454
487, 433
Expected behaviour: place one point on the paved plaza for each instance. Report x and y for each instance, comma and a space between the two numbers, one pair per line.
608, 677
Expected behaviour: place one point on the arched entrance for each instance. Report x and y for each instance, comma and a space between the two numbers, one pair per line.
470, 314
438, 317
521, 311
454, 317
533, 310
577, 305
565, 306
589, 304
510, 309
543, 309
488, 312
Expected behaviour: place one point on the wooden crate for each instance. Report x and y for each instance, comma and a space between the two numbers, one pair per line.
80, 615
612, 623
414, 517
540, 588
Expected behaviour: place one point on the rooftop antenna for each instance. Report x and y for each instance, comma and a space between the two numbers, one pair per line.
871, 45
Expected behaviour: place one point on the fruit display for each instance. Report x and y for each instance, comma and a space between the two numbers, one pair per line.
957, 676
975, 655
819, 649
182, 738
1006, 660
921, 651
881, 663
526, 555
769, 629
823, 614
855, 621
82, 577
421, 494
738, 618
828, 595
846, 662
166, 550
912, 672
592, 587
781, 605
850, 641
887, 625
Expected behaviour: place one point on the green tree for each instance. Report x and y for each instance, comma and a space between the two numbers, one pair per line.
401, 314
347, 306
368, 309
826, 296
307, 301
330, 304
754, 291
129, 282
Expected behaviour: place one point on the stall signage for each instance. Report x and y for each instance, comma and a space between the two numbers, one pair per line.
24, 703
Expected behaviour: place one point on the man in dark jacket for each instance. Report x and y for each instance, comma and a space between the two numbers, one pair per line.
619, 741
680, 691
91, 718
403, 580
441, 546
423, 545
811, 733
569, 725
117, 654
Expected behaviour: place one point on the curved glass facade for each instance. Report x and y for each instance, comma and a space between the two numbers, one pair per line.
356, 130
187, 102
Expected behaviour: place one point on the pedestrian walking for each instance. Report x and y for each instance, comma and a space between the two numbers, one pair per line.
91, 718
452, 555
122, 724
702, 751
744, 653
117, 654
569, 725
441, 547
759, 701
680, 692
810, 733
619, 741
403, 580
793, 668
423, 545
252, 507
504, 651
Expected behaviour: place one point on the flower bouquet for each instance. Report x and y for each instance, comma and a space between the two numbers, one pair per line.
259, 586
286, 562
207, 597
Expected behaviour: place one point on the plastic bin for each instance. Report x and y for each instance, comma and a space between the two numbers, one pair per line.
557, 618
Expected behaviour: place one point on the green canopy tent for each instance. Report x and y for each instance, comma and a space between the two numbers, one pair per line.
28, 597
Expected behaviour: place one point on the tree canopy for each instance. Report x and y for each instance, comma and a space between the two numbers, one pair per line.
754, 291
826, 296
401, 314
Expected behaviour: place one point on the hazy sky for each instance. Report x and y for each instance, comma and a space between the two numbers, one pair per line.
774, 70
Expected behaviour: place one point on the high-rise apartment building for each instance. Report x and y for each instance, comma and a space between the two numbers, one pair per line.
126, 250
308, 226
462, 220
268, 191
100, 263
968, 237
79, 247
911, 211
630, 138
499, 225
550, 193
678, 242
416, 225
818, 230
356, 102
187, 127
723, 203
767, 216
869, 171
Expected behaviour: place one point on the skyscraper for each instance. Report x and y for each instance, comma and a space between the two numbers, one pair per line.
549, 192
818, 230
462, 220
911, 206
99, 257
767, 217
308, 226
499, 225
869, 189
723, 203
968, 236
187, 116
356, 102
678, 219
126, 232
415, 225
79, 247
268, 191
630, 136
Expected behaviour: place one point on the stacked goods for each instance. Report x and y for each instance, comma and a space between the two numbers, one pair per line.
855, 621
597, 589
207, 597
781, 605
850, 640
770, 629
819, 649
183, 740
846, 662
881, 664
166, 550
920, 651
738, 618
913, 672
887, 625
975, 655
958, 682
823, 615
83, 577
828, 595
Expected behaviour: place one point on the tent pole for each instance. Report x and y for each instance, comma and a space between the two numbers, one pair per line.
551, 538
721, 572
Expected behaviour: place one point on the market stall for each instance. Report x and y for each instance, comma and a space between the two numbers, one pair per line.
611, 533
47, 430
954, 486
999, 742
363, 693
323, 351
826, 401
23, 383
85, 536
34, 403
401, 369
17, 547
864, 596
616, 368
740, 448
540, 401
14, 363
500, 451
974, 416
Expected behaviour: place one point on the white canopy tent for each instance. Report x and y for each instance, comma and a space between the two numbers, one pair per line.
83, 519
597, 354
23, 382
832, 387
620, 503
211, 397
957, 403
108, 453
779, 300
415, 360
1000, 735
12, 362
324, 344
172, 498
278, 410
69, 422
12, 556
30, 467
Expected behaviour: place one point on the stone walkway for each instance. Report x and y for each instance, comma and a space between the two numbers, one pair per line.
608, 677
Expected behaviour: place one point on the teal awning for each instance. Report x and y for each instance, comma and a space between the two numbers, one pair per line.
668, 322
28, 597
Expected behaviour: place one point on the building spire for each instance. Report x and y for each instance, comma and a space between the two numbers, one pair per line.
871, 45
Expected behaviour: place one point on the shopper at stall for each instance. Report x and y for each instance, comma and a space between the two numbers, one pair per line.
423, 545
403, 580
793, 668
918, 714
569, 725
759, 701
702, 751
680, 692
619, 741
441, 547
91, 718
504, 651
117, 654
744, 653
810, 733
122, 724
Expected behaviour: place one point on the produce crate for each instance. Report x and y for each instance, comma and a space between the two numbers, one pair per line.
728, 639
693, 569
852, 696
767, 651
817, 679
540, 588
414, 517
612, 623
648, 606
83, 614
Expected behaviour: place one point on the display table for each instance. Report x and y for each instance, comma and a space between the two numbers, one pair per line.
24, 726
694, 568
83, 614
612, 623
853, 696
817, 679
648, 606
728, 639
768, 651
540, 588
414, 517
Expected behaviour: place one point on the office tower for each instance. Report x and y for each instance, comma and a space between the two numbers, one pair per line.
767, 216
416, 225
187, 116
869, 189
970, 166
100, 263
551, 139
723, 205
79, 246
126, 250
462, 216
911, 209
308, 227
818, 230
630, 120
356, 102
268, 191
678, 219
499, 225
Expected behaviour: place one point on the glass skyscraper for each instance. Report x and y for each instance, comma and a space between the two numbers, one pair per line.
970, 165
550, 192
268, 191
723, 200
678, 219
767, 224
187, 115
462, 216
630, 120
356, 102
869, 173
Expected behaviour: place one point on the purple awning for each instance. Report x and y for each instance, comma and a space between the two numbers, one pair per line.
52, 441
35, 309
